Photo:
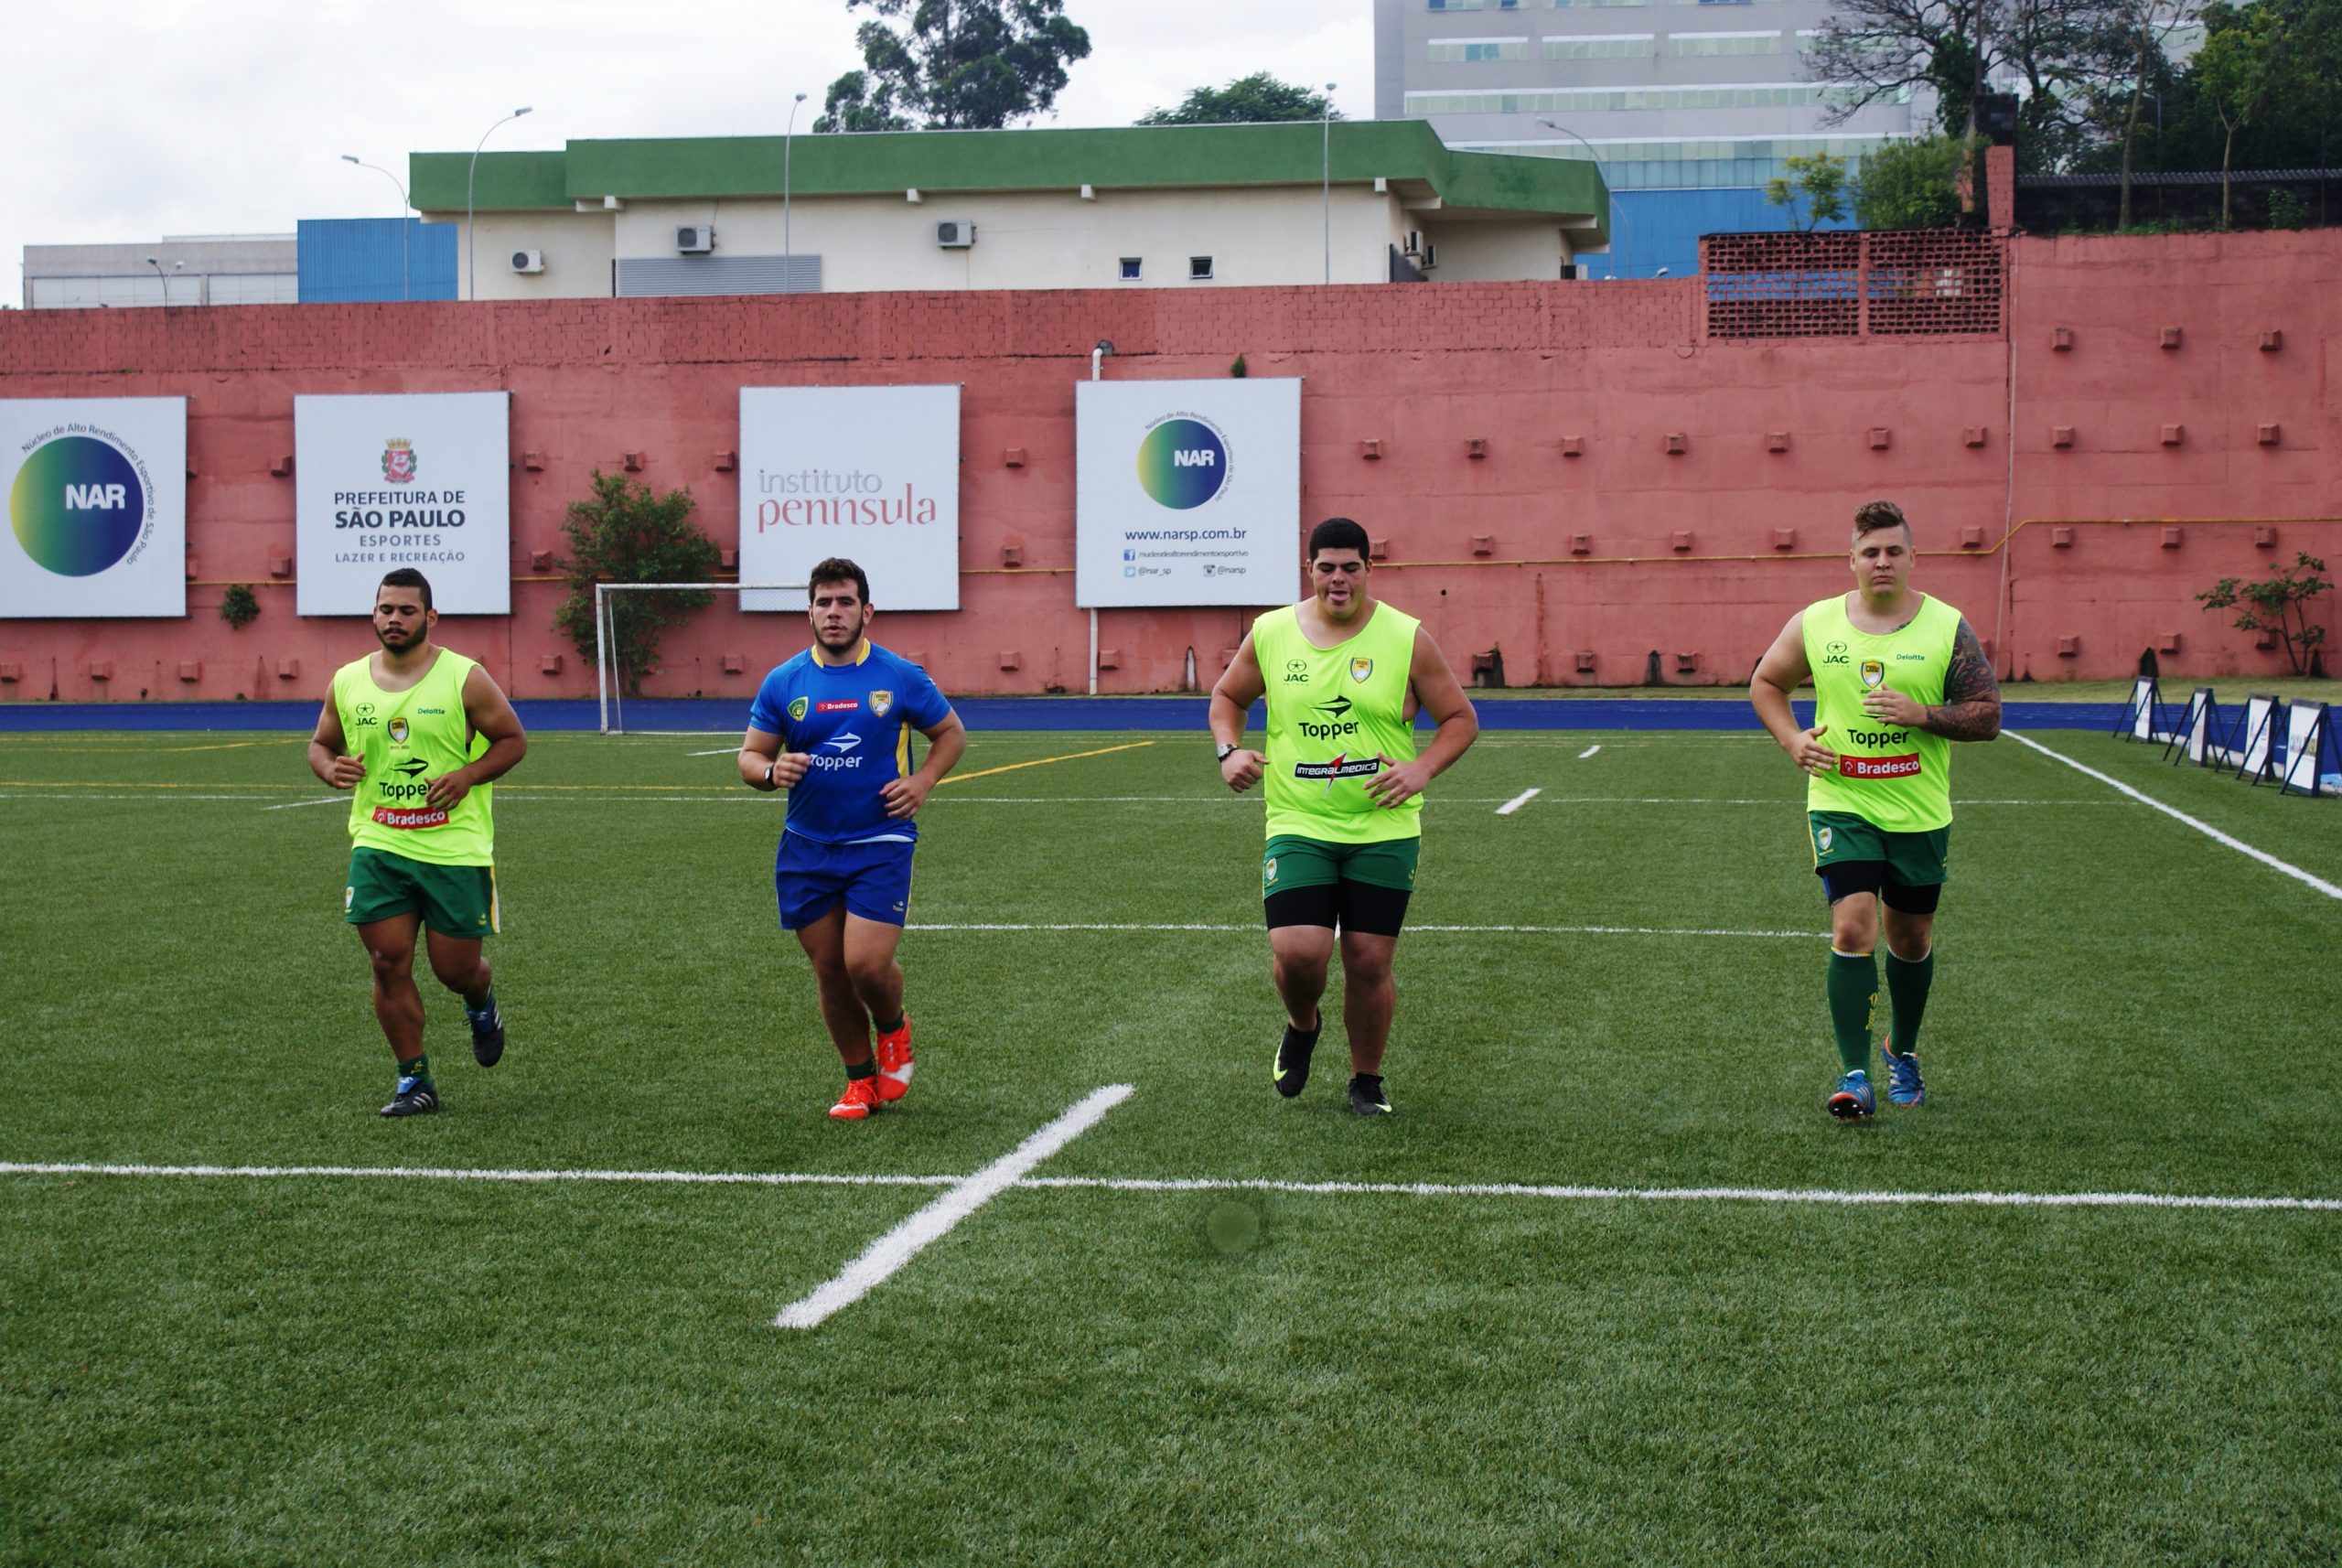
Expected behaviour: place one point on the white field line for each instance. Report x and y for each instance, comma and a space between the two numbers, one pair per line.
330, 799
1446, 930
2263, 856
1550, 1192
1590, 750
1517, 802
905, 1242
730, 750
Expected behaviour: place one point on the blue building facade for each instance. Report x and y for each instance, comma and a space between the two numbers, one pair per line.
1656, 230
349, 260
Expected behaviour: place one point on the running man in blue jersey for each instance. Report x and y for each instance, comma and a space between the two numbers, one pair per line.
833, 726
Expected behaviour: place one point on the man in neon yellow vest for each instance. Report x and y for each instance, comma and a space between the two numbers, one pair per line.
418, 731
1897, 676
1344, 674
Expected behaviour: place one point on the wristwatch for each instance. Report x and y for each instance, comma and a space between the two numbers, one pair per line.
1227, 750
768, 767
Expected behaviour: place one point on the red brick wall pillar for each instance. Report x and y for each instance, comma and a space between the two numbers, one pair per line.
2000, 188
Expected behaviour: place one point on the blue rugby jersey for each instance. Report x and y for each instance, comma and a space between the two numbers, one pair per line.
856, 722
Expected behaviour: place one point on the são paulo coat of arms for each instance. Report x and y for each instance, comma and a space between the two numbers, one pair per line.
398, 460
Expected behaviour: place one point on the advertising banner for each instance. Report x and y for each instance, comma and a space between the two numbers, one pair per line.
391, 479
96, 491
868, 473
1187, 492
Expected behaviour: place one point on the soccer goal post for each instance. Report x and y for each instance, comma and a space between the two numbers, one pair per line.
624, 608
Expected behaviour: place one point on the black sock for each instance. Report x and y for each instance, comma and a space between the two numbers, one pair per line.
1370, 1081
862, 1069
482, 1003
890, 1028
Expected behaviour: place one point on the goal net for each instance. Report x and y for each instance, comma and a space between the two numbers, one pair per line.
636, 624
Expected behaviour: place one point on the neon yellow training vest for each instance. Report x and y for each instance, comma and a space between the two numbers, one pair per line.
1333, 713
407, 739
1892, 777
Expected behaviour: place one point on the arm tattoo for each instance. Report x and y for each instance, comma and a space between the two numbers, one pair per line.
1970, 709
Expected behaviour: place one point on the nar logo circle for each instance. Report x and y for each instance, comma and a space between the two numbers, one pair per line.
77, 506
1183, 462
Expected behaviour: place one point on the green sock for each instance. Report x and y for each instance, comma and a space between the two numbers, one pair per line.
419, 1066
1907, 992
1853, 989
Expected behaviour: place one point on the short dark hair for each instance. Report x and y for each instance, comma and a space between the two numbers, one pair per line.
837, 569
1875, 515
1337, 533
405, 577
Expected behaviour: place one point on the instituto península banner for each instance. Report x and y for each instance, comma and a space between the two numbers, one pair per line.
868, 473
391, 479
96, 491
1187, 492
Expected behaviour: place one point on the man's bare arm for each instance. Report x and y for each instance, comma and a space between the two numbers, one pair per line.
1970, 709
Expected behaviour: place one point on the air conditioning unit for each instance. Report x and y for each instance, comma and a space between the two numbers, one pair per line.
1412, 245
695, 238
528, 260
955, 234
1430, 258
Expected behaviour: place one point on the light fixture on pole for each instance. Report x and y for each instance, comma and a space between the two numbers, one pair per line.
471, 250
1325, 123
404, 225
788, 139
176, 266
1618, 217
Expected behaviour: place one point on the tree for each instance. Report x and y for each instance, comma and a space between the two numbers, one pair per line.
1911, 184
2278, 604
625, 534
2236, 67
953, 65
1250, 100
1820, 181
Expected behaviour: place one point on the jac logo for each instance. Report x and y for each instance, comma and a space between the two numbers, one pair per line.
1834, 653
1296, 670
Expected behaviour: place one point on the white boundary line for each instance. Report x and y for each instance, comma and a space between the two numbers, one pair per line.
1590, 750
2263, 856
1447, 930
905, 1242
1545, 1191
1517, 802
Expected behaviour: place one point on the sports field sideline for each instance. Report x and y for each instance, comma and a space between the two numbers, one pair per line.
1608, 1287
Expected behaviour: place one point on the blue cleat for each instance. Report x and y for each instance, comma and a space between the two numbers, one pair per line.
1853, 1100
1903, 1085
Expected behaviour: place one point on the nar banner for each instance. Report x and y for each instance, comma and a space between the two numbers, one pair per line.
420, 479
97, 507
1187, 492
871, 474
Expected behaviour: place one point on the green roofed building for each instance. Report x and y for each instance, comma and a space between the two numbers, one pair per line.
1153, 207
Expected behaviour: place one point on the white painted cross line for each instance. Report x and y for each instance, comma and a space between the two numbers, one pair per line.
1521, 800
1590, 750
2263, 856
335, 800
1444, 930
905, 1242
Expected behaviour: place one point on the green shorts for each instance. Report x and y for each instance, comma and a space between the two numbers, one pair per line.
1915, 860
454, 900
1291, 861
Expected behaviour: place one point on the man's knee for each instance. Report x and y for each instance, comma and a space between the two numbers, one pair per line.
1366, 961
391, 963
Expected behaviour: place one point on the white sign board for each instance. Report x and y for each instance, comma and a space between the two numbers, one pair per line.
96, 492
391, 479
2305, 732
1187, 492
868, 473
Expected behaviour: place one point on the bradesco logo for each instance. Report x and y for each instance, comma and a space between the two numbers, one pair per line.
78, 506
1183, 461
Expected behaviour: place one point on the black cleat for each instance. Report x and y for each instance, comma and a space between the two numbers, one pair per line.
488, 1033
1367, 1098
416, 1097
1291, 1071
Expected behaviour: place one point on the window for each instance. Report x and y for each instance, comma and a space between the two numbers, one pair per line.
1198, 268
1615, 46
1445, 51
1548, 100
1683, 44
1130, 269
1461, 5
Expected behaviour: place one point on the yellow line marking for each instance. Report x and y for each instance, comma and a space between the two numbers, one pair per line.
124, 784
155, 750
1044, 761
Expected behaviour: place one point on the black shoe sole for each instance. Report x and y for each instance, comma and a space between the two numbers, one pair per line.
488, 1050
1846, 1108
1369, 1107
407, 1106
1291, 1075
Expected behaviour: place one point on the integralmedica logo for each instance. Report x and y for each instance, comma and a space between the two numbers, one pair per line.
1183, 461
78, 506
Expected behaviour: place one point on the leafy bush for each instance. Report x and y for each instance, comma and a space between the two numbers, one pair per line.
625, 534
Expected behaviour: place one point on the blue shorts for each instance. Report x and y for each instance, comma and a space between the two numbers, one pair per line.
811, 878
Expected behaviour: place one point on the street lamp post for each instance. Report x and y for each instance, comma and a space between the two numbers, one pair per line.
471, 248
788, 141
159, 272
1626, 231
404, 226
1325, 124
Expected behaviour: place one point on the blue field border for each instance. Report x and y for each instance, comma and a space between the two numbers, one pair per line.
729, 716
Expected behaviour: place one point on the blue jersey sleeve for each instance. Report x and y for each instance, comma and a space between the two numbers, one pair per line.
769, 711
924, 703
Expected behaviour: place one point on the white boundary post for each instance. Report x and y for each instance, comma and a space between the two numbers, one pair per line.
601, 663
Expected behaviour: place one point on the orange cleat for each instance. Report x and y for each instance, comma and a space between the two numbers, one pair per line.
861, 1099
895, 1062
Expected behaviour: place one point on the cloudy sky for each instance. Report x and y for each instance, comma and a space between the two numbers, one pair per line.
128, 120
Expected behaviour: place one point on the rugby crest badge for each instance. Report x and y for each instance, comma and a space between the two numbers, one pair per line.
797, 709
1362, 668
1873, 674
880, 702
398, 730
1821, 839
